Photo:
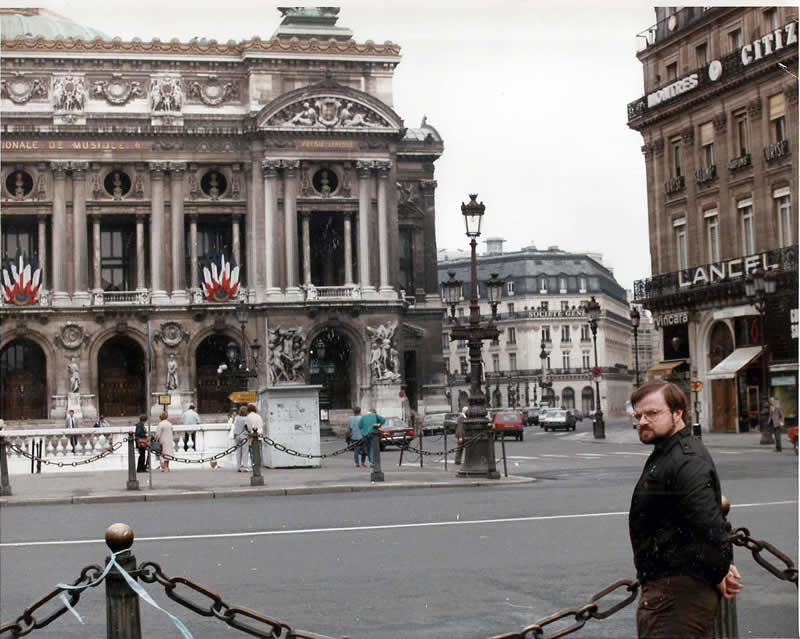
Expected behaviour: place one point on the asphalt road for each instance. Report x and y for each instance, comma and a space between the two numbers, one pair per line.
444, 563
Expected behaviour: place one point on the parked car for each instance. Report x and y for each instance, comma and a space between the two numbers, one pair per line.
508, 423
532, 415
436, 423
558, 418
395, 432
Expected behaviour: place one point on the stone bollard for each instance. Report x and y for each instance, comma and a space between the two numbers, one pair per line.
256, 478
377, 473
133, 483
726, 625
5, 485
122, 603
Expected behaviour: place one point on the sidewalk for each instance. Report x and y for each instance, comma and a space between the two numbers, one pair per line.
711, 440
193, 481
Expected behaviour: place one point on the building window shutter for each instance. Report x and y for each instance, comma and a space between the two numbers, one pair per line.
776, 106
706, 133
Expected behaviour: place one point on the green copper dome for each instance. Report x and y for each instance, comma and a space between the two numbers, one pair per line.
41, 23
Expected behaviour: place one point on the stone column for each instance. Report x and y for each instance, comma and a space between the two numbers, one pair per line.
80, 293
386, 289
364, 170
431, 271
42, 252
306, 217
236, 224
97, 281
193, 265
290, 223
179, 295
270, 173
348, 250
157, 236
59, 234
140, 251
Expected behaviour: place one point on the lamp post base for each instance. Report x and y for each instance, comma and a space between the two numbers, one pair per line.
599, 427
478, 456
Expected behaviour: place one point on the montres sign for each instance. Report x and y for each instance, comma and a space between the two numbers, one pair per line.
721, 271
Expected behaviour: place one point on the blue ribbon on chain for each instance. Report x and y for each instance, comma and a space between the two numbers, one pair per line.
135, 586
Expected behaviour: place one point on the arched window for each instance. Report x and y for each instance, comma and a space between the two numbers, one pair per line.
587, 400
568, 398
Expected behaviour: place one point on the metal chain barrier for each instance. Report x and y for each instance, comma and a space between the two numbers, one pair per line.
741, 537
243, 619
202, 460
27, 622
60, 464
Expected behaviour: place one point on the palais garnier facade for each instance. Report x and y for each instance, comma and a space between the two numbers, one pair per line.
214, 196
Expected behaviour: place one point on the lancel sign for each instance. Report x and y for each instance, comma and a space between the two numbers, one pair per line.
721, 271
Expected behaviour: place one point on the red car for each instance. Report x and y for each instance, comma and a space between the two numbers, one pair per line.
508, 423
395, 432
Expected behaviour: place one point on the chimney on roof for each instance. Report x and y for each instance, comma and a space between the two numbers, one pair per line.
494, 245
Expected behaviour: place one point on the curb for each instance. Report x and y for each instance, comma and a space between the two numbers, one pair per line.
135, 496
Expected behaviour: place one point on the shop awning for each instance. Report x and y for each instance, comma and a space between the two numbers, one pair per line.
664, 368
734, 362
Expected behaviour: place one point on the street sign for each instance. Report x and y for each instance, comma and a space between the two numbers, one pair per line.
243, 397
597, 371
697, 386
164, 400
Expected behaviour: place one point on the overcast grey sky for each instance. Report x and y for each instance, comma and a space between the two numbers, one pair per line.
529, 98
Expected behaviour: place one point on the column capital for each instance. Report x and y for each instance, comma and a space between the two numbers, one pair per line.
42, 217
141, 217
270, 168
95, 217
290, 167
383, 167
192, 218
347, 215
428, 186
78, 170
60, 169
175, 167
157, 169
364, 168
305, 215
236, 218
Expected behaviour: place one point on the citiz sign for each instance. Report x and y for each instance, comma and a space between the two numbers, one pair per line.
721, 271
769, 44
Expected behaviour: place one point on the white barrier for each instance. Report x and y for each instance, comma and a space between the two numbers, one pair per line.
68, 445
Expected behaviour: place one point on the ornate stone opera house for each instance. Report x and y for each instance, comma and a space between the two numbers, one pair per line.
217, 193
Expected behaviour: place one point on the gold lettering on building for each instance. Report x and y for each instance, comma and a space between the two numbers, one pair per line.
326, 144
74, 145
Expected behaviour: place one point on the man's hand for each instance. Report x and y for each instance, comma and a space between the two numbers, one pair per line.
730, 586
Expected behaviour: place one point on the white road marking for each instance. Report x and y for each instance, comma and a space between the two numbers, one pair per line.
591, 455
305, 531
632, 453
562, 456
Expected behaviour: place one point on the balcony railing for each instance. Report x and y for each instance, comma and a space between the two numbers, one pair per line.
673, 185
740, 163
706, 174
777, 150
313, 293
708, 276
139, 297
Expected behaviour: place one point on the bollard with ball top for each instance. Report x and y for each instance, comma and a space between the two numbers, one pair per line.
726, 626
122, 603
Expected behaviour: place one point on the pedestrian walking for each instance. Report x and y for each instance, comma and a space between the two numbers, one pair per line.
142, 443
460, 435
681, 549
164, 438
190, 418
776, 419
367, 424
240, 434
255, 426
72, 422
355, 437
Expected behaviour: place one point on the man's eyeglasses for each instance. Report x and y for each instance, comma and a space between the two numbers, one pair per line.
649, 415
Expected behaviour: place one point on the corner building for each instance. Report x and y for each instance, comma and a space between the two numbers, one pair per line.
719, 124
169, 184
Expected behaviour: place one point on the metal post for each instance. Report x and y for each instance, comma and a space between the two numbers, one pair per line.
697, 429
133, 483
766, 435
421, 455
726, 624
39, 448
444, 430
148, 412
377, 473
636, 352
505, 464
256, 478
599, 424
5, 486
122, 603
402, 450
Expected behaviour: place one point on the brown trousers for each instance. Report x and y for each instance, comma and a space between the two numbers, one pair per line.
677, 608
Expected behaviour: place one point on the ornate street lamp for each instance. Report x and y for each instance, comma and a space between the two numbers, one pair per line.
479, 459
544, 382
635, 319
593, 311
243, 360
758, 287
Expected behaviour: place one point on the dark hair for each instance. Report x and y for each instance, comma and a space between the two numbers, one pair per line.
673, 396
243, 411
163, 416
357, 410
191, 406
142, 418
251, 408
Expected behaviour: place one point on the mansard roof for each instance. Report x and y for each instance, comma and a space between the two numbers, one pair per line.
329, 106
41, 23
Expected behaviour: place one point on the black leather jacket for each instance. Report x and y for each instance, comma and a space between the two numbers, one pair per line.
141, 430
675, 521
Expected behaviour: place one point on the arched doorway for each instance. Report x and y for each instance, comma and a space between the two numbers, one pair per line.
121, 377
587, 400
23, 374
213, 389
568, 398
548, 397
331, 366
723, 391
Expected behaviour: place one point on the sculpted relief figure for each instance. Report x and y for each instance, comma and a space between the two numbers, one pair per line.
74, 373
306, 117
286, 355
172, 373
166, 95
384, 360
69, 93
